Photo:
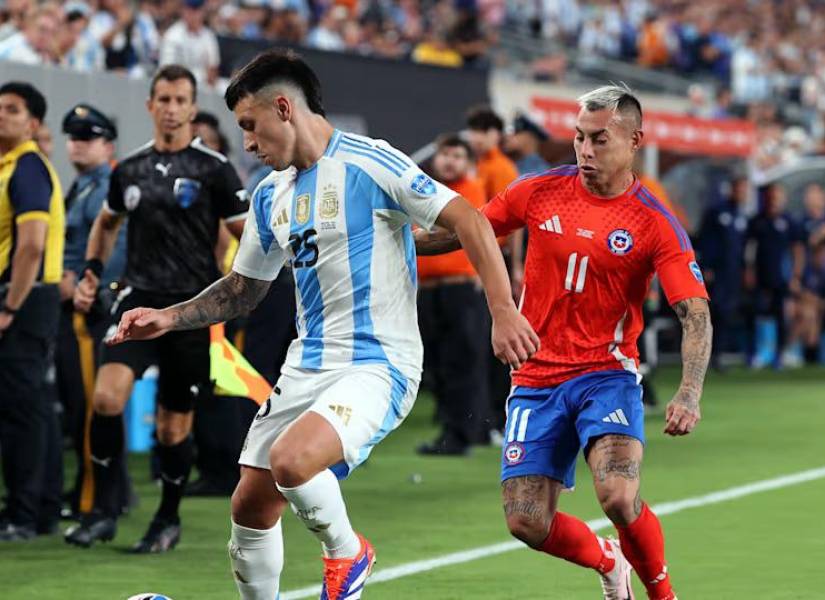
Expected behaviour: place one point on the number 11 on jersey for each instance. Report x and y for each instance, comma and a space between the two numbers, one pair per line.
571, 273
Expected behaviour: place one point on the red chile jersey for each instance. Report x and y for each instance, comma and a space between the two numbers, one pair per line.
588, 269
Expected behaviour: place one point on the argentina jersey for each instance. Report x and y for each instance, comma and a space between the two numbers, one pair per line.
345, 226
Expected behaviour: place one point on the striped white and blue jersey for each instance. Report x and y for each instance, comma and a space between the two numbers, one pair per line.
345, 226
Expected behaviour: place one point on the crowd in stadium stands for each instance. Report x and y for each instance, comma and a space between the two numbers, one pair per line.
135, 37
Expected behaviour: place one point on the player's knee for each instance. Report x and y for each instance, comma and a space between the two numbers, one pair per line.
107, 403
618, 504
290, 466
529, 529
171, 435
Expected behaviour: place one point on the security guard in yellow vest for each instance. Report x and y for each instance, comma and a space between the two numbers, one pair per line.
31, 259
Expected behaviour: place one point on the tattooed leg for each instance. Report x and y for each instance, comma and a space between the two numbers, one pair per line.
615, 461
529, 506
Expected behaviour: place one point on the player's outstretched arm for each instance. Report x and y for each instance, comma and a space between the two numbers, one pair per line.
229, 297
683, 412
514, 340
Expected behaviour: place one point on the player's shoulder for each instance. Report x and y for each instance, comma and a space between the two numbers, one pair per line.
206, 153
375, 156
661, 216
135, 156
554, 177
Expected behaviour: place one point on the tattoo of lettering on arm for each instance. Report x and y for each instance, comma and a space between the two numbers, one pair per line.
611, 458
438, 241
229, 297
697, 332
526, 496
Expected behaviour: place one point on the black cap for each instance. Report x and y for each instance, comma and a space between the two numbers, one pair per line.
525, 123
85, 122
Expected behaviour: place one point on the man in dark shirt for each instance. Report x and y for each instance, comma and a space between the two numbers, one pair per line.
775, 259
175, 191
721, 248
31, 257
90, 148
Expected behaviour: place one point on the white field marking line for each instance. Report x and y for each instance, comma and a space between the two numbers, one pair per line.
665, 508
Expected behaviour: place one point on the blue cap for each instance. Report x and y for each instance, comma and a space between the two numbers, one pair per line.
195, 3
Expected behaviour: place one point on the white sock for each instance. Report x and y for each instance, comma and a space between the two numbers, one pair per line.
257, 557
319, 504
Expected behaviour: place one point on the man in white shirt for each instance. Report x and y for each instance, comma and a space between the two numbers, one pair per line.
192, 44
35, 44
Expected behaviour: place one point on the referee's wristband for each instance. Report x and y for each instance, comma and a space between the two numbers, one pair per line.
9, 311
95, 265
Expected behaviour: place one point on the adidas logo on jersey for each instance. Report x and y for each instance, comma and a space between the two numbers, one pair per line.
282, 219
617, 417
553, 225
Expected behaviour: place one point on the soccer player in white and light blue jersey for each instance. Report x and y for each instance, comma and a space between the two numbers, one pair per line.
339, 208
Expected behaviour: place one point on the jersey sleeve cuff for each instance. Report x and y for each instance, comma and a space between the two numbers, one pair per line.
32, 215
253, 273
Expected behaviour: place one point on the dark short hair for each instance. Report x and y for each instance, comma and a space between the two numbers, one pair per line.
174, 73
207, 118
484, 118
271, 66
34, 100
453, 140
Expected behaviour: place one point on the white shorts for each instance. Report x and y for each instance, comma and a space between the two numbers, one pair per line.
363, 403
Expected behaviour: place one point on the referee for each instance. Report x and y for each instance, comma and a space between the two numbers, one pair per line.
31, 257
175, 191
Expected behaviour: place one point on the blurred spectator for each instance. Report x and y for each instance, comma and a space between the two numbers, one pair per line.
749, 76
775, 259
495, 171
327, 35
469, 39
13, 16
190, 43
130, 38
79, 49
35, 44
44, 140
435, 50
654, 42
523, 145
207, 127
721, 247
453, 319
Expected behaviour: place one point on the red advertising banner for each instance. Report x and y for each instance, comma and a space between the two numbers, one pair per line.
717, 137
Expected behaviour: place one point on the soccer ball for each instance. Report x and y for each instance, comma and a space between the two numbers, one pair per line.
149, 596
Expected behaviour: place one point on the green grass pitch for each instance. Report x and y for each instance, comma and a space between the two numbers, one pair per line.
769, 545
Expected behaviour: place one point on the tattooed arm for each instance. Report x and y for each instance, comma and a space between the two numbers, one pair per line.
229, 297
683, 411
437, 241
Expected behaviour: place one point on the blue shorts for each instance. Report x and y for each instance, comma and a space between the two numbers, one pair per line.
546, 427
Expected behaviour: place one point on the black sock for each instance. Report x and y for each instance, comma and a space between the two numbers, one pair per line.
107, 440
175, 465
811, 355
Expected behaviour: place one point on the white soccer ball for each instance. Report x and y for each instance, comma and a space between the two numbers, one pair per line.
149, 596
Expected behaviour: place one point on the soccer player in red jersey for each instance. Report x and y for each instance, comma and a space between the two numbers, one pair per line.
596, 238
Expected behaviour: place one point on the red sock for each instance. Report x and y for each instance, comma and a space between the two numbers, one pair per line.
644, 547
571, 539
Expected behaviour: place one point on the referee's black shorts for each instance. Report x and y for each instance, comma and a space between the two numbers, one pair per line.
181, 356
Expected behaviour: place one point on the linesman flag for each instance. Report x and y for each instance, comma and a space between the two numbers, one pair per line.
231, 372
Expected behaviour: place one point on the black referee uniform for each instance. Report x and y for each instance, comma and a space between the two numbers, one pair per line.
174, 201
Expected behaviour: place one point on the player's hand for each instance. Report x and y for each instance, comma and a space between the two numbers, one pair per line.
86, 292
514, 340
682, 413
141, 324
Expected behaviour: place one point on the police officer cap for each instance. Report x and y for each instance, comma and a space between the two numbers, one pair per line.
525, 123
85, 122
